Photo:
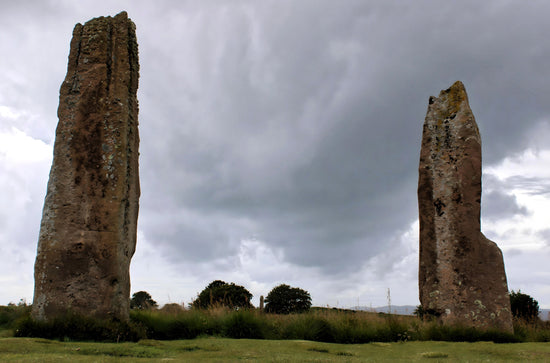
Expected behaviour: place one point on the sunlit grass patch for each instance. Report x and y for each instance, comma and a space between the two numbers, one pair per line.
434, 355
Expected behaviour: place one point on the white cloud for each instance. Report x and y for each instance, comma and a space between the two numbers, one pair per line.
526, 272
523, 238
528, 164
527, 178
7, 113
19, 149
24, 166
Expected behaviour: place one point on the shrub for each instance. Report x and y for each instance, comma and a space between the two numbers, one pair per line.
220, 293
426, 314
172, 309
76, 327
284, 299
524, 306
142, 300
9, 315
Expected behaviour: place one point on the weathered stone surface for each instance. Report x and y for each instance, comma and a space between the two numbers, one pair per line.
89, 222
461, 275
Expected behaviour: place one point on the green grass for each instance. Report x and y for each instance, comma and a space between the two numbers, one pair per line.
231, 350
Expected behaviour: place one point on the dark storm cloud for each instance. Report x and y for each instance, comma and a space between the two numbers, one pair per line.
294, 148
298, 123
307, 124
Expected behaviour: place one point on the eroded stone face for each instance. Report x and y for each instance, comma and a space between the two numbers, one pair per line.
461, 275
89, 222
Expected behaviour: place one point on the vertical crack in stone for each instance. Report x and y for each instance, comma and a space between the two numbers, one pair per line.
110, 55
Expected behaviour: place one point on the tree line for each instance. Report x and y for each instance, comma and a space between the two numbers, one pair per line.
282, 299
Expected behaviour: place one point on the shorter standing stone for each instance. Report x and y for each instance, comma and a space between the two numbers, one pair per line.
461, 275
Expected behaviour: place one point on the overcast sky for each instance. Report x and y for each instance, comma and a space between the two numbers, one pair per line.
280, 140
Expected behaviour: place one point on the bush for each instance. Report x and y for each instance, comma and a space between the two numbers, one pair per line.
220, 293
9, 315
284, 299
524, 306
76, 327
142, 300
172, 308
426, 314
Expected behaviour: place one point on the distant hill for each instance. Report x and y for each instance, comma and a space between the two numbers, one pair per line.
543, 314
395, 309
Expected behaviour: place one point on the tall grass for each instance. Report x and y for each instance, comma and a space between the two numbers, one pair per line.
529, 331
324, 325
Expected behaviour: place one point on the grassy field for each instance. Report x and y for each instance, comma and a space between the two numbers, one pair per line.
230, 350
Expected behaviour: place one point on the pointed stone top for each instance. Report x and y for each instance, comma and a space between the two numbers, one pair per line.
122, 14
457, 86
456, 93
450, 100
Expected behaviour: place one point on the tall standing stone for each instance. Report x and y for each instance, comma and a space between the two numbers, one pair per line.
89, 221
461, 275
